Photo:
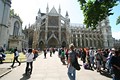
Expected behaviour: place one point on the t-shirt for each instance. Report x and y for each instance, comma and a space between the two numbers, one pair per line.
16, 53
29, 57
91, 53
63, 54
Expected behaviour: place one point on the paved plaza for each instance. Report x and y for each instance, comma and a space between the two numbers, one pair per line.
49, 69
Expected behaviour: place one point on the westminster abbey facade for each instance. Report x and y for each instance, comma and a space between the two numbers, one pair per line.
51, 29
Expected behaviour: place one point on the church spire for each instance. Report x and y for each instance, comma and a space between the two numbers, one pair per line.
47, 9
59, 10
67, 14
39, 12
25, 27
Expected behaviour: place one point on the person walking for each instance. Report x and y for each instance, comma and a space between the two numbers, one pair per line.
83, 53
99, 60
71, 70
105, 55
66, 53
91, 55
62, 56
51, 52
29, 61
45, 52
16, 55
108, 65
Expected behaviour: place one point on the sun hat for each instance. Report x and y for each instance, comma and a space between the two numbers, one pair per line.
113, 49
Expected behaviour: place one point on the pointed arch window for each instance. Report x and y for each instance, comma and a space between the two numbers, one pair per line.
16, 28
49, 33
90, 42
95, 43
83, 43
42, 35
63, 35
56, 34
74, 42
90, 36
86, 43
99, 43
79, 42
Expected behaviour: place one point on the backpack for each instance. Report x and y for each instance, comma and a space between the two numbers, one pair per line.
74, 61
62, 54
98, 56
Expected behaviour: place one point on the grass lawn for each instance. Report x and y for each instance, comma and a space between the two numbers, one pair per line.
10, 57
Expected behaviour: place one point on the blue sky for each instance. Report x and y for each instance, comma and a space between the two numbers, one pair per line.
115, 28
113, 18
28, 9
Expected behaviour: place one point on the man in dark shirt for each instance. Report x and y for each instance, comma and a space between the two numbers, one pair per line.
72, 60
16, 55
115, 62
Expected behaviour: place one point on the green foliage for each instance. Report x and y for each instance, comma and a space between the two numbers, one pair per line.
12, 12
7, 52
96, 10
118, 21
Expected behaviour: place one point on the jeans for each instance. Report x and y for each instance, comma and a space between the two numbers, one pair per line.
92, 61
15, 59
71, 73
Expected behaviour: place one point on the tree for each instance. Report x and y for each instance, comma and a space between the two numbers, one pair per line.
118, 21
11, 12
96, 10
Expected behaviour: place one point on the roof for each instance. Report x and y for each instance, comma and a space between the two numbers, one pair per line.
53, 10
42, 14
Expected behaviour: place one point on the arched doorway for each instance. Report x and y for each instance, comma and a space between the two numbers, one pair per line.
63, 44
41, 45
52, 42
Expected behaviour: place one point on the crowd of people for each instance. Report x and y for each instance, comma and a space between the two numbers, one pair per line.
101, 60
93, 59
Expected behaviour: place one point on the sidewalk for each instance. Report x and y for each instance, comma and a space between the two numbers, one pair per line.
50, 69
4, 69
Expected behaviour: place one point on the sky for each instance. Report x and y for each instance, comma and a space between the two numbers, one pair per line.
28, 9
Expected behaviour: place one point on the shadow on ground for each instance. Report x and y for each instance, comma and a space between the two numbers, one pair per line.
104, 73
25, 77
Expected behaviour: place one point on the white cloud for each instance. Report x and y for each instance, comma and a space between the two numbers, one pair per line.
116, 35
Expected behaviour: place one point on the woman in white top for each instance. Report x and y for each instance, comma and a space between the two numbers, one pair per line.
29, 60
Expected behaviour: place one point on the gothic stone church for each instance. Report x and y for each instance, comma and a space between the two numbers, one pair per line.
51, 29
